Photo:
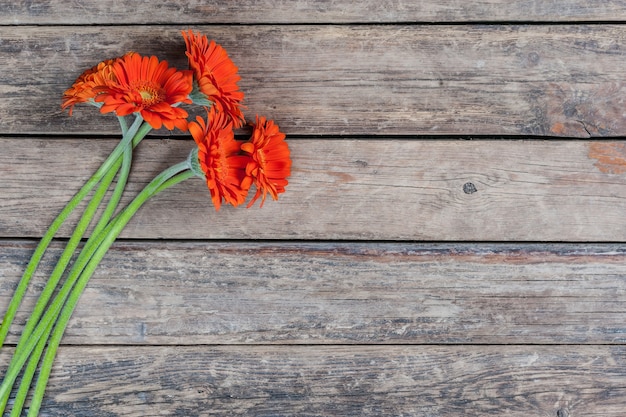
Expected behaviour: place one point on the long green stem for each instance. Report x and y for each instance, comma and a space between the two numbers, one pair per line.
57, 273
90, 261
56, 224
71, 246
105, 174
117, 192
132, 137
21, 355
123, 124
163, 181
29, 372
54, 279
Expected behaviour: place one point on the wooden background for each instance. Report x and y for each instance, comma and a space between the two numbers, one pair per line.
451, 242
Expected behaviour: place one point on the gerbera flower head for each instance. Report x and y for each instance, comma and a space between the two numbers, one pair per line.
269, 164
145, 85
215, 75
87, 84
220, 159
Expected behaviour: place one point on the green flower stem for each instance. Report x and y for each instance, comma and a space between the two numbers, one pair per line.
54, 279
60, 267
117, 192
132, 137
166, 179
29, 372
123, 124
89, 260
56, 224
69, 250
21, 355
71, 246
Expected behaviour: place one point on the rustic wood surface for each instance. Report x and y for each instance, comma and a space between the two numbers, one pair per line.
170, 293
451, 243
363, 381
557, 80
21, 12
379, 189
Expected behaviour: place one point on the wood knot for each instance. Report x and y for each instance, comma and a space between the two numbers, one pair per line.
469, 188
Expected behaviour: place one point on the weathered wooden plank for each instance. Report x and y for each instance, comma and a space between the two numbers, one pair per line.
349, 189
324, 293
563, 80
338, 381
18, 12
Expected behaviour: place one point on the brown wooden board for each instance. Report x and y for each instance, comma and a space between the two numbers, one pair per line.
186, 293
364, 189
338, 381
187, 12
556, 80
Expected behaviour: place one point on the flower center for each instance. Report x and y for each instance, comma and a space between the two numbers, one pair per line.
150, 93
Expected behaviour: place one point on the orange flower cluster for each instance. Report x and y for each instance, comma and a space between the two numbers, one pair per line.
84, 87
149, 87
231, 166
215, 74
269, 164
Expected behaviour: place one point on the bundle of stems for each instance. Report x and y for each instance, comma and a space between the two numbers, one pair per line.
57, 301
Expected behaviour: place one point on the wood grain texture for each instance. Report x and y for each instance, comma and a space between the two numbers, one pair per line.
381, 189
337, 381
563, 80
186, 12
406, 272
324, 293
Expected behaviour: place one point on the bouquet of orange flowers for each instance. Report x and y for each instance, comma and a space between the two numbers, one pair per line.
152, 92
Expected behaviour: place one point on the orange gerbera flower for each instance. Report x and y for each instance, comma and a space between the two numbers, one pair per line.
147, 86
215, 74
220, 158
270, 164
86, 85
